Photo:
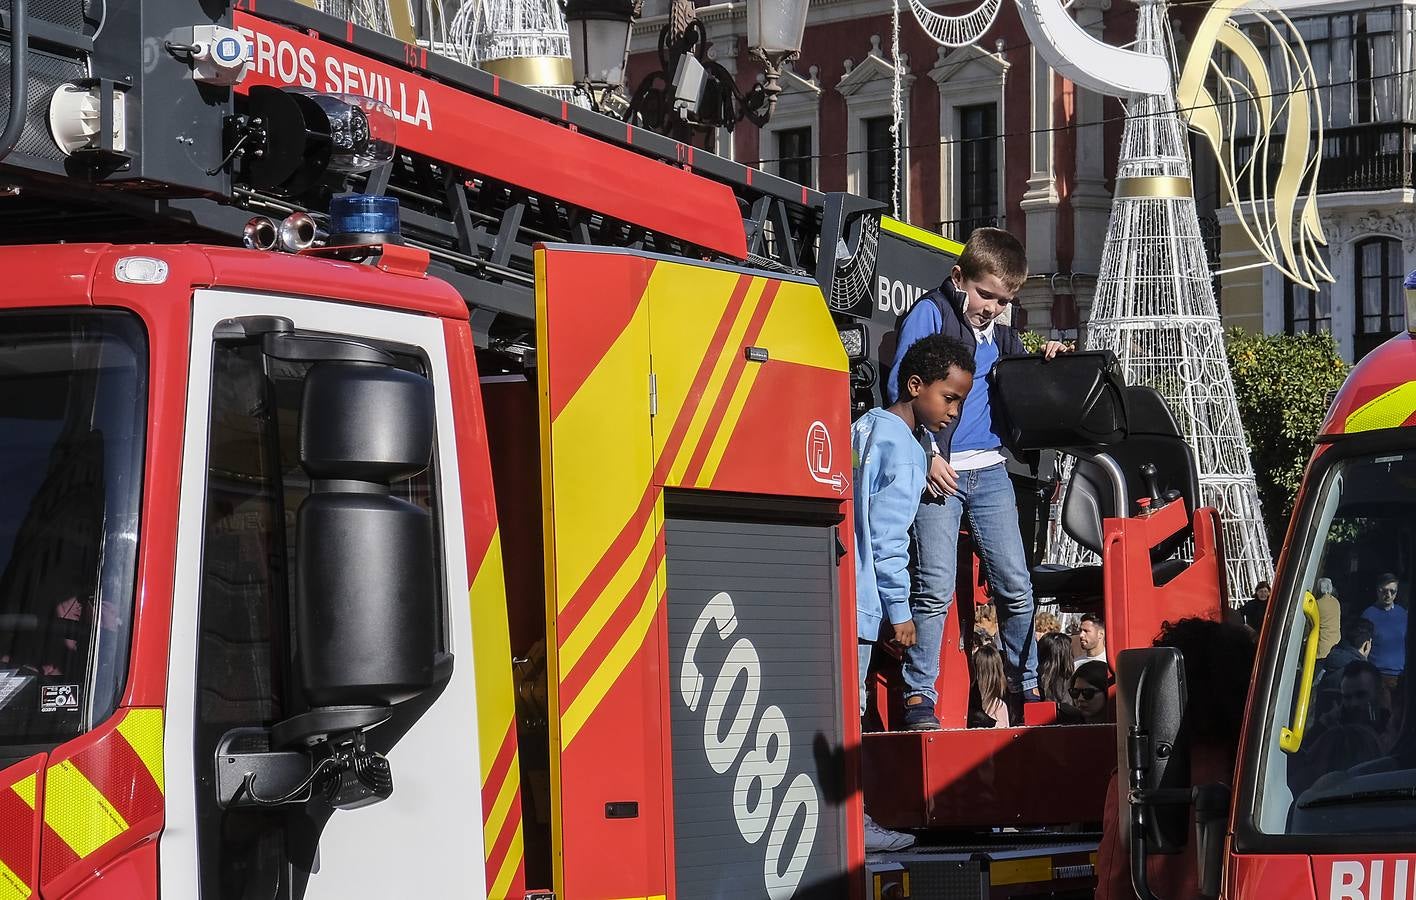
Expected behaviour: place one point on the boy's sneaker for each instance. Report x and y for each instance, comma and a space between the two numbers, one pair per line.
879, 839
920, 717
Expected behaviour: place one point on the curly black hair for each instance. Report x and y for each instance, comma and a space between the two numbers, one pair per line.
931, 358
1219, 662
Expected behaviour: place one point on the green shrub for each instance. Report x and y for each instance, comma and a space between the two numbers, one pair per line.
1282, 383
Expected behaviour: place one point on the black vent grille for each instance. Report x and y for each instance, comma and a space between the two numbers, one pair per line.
64, 13
46, 72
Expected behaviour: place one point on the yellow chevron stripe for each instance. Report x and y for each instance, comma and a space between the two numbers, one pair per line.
142, 729
728, 426
496, 816
599, 474
675, 371
600, 683
12, 886
796, 332
77, 811
502, 884
588, 628
1389, 410
491, 656
25, 788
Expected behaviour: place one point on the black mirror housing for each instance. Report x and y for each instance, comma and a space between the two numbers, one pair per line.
366, 612
1153, 741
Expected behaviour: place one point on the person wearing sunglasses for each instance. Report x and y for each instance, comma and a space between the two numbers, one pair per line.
1088, 691
1388, 620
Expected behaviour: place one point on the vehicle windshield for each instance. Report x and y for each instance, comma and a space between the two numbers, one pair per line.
1354, 769
73, 389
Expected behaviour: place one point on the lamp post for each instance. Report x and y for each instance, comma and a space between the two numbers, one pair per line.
599, 43
774, 33
690, 93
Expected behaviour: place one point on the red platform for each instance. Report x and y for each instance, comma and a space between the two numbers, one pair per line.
985, 777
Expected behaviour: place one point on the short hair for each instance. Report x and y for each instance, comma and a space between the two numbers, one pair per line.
993, 251
1361, 667
1261, 585
1095, 619
931, 357
1354, 627
1387, 578
1324, 585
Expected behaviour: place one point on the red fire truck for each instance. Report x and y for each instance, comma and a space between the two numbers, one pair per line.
587, 378
1321, 800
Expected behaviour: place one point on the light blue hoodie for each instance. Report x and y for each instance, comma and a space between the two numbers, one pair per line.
889, 478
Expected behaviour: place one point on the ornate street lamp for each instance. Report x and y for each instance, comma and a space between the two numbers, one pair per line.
690, 92
599, 43
774, 33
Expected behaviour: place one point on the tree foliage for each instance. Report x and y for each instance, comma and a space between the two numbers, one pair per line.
1283, 383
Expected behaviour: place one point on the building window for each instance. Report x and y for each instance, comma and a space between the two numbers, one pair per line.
794, 155
1305, 311
879, 159
1379, 292
978, 167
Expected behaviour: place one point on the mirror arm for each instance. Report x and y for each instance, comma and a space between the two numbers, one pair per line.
1140, 880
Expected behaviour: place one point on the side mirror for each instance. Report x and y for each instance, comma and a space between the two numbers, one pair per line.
1152, 740
366, 613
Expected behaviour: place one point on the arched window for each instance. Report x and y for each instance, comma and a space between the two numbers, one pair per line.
1379, 293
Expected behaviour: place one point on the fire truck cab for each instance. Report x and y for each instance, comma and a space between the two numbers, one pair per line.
1321, 803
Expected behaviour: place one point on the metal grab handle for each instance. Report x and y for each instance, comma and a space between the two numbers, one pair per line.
1291, 738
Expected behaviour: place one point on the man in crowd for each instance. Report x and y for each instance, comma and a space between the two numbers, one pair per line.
1388, 620
1092, 637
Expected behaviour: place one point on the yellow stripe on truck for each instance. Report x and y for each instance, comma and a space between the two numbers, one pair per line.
12, 887
77, 811
142, 729
25, 788
1390, 410
905, 230
1034, 870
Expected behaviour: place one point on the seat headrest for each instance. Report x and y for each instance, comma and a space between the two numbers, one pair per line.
1071, 400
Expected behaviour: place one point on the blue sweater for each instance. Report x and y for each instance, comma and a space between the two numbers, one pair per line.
1388, 638
889, 478
941, 311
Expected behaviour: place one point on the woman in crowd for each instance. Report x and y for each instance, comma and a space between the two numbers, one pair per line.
1054, 667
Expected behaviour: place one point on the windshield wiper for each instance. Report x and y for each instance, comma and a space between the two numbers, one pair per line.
1354, 797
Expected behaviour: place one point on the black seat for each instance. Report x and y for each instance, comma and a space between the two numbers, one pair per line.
1106, 482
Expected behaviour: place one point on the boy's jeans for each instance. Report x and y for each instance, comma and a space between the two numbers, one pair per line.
987, 495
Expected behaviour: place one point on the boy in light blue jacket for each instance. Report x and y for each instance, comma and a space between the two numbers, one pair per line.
933, 378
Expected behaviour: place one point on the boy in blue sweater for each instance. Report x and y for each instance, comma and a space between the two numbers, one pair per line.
932, 380
967, 474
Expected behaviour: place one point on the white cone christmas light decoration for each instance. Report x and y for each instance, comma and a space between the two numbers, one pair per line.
1155, 309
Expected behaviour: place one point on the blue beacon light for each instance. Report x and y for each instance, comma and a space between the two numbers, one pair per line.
363, 219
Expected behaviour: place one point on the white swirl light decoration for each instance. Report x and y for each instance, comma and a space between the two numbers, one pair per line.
956, 31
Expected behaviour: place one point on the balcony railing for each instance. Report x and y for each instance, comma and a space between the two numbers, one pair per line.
1375, 157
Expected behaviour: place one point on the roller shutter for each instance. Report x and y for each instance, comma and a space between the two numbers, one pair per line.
755, 709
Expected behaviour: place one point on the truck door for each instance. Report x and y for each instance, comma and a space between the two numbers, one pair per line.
234, 637
695, 463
